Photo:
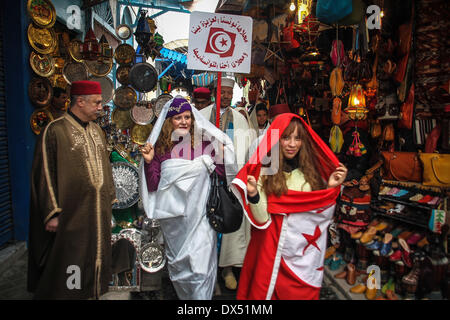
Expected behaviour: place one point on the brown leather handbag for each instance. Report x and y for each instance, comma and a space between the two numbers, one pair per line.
402, 166
436, 169
407, 110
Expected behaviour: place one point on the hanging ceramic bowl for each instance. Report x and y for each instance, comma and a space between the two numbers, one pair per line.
122, 75
125, 97
124, 54
142, 113
143, 77
75, 71
42, 64
42, 12
40, 92
160, 102
140, 133
42, 40
107, 88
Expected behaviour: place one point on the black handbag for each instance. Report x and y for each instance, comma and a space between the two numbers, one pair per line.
223, 209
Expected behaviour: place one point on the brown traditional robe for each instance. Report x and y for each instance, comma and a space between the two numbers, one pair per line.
71, 178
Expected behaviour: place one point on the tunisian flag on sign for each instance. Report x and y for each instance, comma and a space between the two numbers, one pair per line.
220, 42
285, 256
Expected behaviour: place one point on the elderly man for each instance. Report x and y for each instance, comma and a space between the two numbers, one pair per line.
234, 245
201, 98
72, 190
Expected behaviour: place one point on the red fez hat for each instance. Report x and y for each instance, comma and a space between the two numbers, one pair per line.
278, 109
85, 87
202, 93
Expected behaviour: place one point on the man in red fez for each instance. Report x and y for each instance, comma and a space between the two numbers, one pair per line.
72, 191
201, 98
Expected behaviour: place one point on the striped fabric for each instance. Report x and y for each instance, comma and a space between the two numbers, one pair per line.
422, 127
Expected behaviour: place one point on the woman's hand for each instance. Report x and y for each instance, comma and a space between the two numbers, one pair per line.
148, 152
251, 186
337, 177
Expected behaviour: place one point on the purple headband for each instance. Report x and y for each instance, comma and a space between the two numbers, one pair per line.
178, 105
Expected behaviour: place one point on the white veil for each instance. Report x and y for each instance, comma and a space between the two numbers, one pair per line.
210, 132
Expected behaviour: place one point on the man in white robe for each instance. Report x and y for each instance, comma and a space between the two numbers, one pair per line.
234, 245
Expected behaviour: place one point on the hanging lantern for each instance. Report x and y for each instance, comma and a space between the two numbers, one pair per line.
90, 49
143, 33
356, 109
105, 49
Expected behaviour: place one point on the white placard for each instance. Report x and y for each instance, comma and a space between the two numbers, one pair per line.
219, 42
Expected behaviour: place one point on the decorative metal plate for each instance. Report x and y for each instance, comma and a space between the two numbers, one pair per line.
142, 113
152, 257
100, 67
42, 12
40, 119
107, 88
42, 40
42, 64
160, 102
123, 31
125, 97
75, 71
121, 118
40, 91
74, 50
122, 74
124, 54
140, 133
126, 180
143, 77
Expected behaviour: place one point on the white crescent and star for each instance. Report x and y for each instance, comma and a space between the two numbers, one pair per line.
220, 42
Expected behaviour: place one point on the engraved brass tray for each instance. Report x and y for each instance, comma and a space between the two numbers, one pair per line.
126, 181
40, 92
74, 50
107, 88
122, 75
160, 102
40, 119
125, 97
142, 113
100, 67
42, 12
75, 71
140, 133
152, 257
143, 77
42, 64
124, 54
121, 118
42, 40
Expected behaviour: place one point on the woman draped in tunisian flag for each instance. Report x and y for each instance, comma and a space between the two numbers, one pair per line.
290, 206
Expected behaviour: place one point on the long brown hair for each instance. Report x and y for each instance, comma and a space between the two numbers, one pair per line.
306, 163
165, 143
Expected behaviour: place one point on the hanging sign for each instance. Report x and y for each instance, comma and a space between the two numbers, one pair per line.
219, 42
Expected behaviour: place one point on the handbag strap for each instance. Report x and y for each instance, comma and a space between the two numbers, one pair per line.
392, 171
435, 171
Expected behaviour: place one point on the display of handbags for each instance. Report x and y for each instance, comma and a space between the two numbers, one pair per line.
402, 166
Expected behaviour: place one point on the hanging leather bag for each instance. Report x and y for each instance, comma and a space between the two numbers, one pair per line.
407, 110
402, 166
223, 210
436, 169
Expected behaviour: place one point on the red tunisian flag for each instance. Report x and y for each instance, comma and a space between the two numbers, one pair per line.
284, 259
220, 42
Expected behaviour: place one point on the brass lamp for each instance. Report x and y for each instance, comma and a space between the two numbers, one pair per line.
356, 109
